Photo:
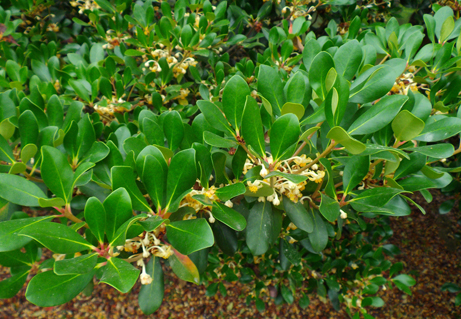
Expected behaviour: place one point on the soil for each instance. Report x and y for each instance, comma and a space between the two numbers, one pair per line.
429, 252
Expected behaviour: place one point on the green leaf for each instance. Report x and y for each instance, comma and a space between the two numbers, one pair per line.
57, 237
9, 230
80, 89
447, 28
214, 116
10, 287
233, 100
329, 208
123, 177
348, 59
339, 135
48, 289
378, 115
372, 84
20, 191
95, 217
287, 294
173, 129
218, 141
379, 196
304, 137
298, 215
27, 152
188, 236
51, 202
406, 126
354, 172
230, 191
121, 233
229, 216
284, 135
420, 181
120, 274
436, 150
56, 172
15, 258
319, 236
151, 296
28, 130
405, 279
270, 86
152, 223
440, 130
321, 65
291, 177
411, 165
252, 127
183, 267
118, 210
182, 175
78, 265
259, 225
293, 108
203, 157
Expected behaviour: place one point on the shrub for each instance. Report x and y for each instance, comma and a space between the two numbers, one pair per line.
144, 138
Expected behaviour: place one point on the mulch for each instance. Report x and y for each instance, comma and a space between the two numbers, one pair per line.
429, 252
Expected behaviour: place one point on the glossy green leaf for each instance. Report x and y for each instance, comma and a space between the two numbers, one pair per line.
9, 287
19, 190
436, 150
188, 236
230, 191
354, 172
57, 237
214, 116
284, 135
173, 129
321, 65
151, 296
420, 181
121, 233
95, 216
440, 130
293, 108
228, 216
28, 128
329, 208
298, 215
372, 84
56, 172
233, 100
118, 210
270, 86
252, 127
339, 135
407, 126
259, 225
120, 274
151, 223
47, 289
79, 265
9, 230
182, 175
319, 236
27, 152
123, 177
218, 141
348, 59
378, 115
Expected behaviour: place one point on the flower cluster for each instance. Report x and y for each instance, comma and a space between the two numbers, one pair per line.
405, 83
299, 9
85, 5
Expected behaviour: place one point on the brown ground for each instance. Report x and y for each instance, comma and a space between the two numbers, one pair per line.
429, 252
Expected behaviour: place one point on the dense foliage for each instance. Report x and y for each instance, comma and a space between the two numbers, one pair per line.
264, 142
